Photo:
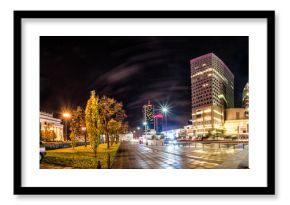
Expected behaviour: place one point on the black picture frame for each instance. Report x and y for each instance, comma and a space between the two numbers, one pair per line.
268, 190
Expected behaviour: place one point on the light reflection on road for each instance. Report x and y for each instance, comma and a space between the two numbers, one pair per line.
208, 156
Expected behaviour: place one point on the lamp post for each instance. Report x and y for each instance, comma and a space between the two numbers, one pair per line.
164, 110
66, 116
145, 129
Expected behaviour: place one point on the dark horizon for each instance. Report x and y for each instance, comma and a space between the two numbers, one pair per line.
133, 70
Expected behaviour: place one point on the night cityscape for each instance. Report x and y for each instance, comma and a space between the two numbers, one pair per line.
144, 102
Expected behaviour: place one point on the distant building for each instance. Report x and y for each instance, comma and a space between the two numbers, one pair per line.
236, 122
246, 98
158, 122
126, 137
172, 134
148, 112
212, 89
185, 133
149, 134
189, 131
50, 123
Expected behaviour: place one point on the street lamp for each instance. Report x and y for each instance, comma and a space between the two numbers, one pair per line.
66, 116
138, 128
164, 110
145, 130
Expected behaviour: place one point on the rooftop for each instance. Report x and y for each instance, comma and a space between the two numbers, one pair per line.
211, 55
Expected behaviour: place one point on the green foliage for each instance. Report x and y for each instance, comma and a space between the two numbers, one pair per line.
113, 128
77, 121
227, 137
92, 119
111, 110
73, 139
48, 134
81, 157
234, 137
182, 134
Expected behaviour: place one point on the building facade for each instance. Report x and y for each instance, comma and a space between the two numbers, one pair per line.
246, 98
236, 123
189, 131
148, 114
51, 126
212, 91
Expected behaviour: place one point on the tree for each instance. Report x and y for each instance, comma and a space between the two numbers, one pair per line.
113, 128
73, 139
53, 135
92, 119
182, 134
77, 120
47, 134
110, 109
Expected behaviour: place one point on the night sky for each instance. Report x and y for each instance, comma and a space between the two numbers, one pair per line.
132, 70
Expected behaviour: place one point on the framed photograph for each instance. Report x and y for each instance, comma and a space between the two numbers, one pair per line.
144, 102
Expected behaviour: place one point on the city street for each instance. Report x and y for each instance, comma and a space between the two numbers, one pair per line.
196, 156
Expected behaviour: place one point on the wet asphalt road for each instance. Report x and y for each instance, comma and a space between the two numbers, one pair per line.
208, 156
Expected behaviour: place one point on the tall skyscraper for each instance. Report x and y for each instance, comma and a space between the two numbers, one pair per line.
212, 90
148, 112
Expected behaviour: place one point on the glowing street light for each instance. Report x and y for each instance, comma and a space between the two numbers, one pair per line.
164, 109
138, 128
66, 116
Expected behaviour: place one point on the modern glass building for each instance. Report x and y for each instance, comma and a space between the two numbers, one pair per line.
212, 90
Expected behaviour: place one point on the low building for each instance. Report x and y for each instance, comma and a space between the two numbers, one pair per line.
172, 134
184, 133
246, 98
50, 124
126, 137
189, 131
236, 123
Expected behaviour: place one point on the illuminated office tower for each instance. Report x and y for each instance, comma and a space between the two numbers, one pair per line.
212, 90
148, 112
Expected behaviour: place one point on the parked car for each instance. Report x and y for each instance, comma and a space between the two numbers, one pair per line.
41, 151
